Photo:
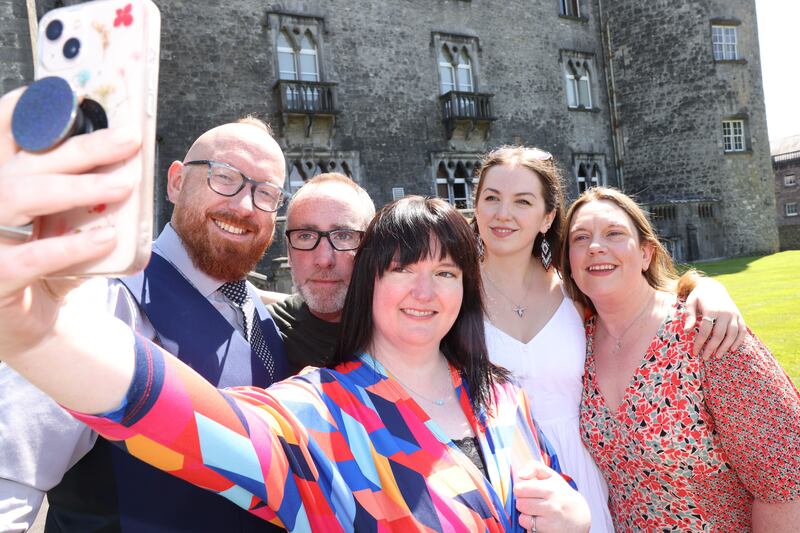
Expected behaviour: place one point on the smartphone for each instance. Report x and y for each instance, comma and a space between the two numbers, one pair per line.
108, 51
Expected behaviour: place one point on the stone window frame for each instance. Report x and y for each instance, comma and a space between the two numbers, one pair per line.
720, 29
790, 209
730, 136
589, 161
295, 26
789, 180
302, 166
456, 44
578, 67
452, 169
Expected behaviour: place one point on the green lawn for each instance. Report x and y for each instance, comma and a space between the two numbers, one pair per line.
767, 290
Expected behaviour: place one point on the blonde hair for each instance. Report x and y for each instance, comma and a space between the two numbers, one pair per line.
660, 274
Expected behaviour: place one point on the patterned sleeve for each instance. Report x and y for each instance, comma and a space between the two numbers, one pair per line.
241, 443
548, 453
756, 411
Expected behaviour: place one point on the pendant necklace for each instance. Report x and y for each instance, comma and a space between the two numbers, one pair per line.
618, 340
519, 309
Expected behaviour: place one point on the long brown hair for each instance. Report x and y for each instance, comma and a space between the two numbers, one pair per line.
407, 231
543, 165
660, 274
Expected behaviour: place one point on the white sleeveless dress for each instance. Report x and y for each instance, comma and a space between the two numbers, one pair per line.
550, 369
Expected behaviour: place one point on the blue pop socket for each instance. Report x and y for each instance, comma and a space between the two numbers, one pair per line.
45, 115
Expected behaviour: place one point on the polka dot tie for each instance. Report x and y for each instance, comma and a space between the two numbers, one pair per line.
236, 292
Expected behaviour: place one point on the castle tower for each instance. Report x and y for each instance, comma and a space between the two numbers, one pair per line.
689, 120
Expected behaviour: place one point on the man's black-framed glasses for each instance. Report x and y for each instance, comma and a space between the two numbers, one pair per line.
228, 180
340, 239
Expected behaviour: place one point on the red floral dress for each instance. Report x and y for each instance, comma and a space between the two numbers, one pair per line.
693, 442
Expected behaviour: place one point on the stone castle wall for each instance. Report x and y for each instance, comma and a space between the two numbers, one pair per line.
659, 101
672, 101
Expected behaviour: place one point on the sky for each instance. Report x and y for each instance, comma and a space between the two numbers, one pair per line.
779, 40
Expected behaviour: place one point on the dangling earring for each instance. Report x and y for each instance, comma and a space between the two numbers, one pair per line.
481, 249
547, 256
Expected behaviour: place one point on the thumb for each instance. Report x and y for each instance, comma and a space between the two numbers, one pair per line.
536, 470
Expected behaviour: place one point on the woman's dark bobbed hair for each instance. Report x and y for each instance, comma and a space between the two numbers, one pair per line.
407, 231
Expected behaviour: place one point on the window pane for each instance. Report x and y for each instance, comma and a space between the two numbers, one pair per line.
286, 66
717, 39
460, 195
442, 191
723, 39
465, 78
733, 135
308, 66
446, 77
738, 136
727, 136
572, 91
585, 92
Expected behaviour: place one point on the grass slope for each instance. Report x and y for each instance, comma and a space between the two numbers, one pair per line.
767, 291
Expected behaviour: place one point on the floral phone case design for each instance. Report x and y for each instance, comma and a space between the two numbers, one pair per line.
108, 51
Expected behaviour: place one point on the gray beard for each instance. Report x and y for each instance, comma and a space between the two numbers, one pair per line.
325, 304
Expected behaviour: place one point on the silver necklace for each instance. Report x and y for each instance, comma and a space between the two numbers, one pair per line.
618, 340
517, 308
437, 402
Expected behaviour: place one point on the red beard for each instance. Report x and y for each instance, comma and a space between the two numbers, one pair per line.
213, 254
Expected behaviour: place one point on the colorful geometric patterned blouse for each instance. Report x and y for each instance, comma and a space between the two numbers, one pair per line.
694, 441
329, 450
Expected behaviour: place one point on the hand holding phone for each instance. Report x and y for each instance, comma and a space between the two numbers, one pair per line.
107, 51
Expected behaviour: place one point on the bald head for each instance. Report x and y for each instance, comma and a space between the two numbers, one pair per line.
320, 189
247, 144
226, 235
